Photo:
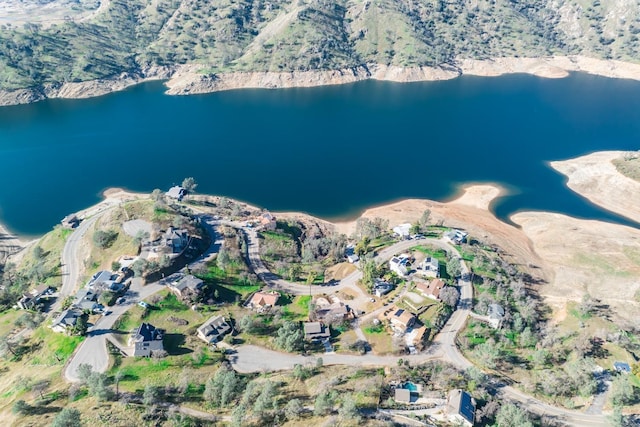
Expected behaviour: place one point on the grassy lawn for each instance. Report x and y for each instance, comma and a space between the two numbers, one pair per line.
429, 315
230, 287
298, 310
380, 341
7, 319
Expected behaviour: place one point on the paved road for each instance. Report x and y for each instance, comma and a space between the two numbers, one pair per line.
71, 261
93, 350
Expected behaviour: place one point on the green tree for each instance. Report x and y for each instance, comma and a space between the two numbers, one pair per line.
247, 324
453, 266
510, 415
21, 408
84, 372
38, 253
103, 239
449, 295
68, 417
324, 402
369, 272
415, 228
348, 409
424, 220
266, 400
293, 409
189, 184
290, 337
294, 272
616, 419
98, 388
157, 195
151, 395
362, 247
621, 390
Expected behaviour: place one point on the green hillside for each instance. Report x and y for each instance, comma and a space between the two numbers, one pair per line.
279, 35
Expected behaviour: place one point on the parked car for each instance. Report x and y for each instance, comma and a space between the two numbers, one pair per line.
143, 304
120, 300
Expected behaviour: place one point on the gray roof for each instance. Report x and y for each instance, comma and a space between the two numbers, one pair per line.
100, 277
147, 332
312, 328
213, 328
188, 282
622, 367
402, 395
495, 311
68, 317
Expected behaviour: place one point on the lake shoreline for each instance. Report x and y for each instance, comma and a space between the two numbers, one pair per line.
191, 79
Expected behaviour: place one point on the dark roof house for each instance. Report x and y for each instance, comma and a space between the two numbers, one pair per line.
186, 286
213, 329
145, 339
316, 331
461, 407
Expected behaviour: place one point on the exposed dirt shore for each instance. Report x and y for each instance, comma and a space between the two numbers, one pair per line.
192, 79
568, 257
595, 177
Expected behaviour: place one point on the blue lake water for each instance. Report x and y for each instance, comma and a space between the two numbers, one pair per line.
329, 151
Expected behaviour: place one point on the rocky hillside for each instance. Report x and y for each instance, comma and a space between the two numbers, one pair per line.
105, 39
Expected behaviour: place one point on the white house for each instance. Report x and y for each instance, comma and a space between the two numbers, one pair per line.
495, 313
402, 230
398, 264
456, 237
430, 267
176, 192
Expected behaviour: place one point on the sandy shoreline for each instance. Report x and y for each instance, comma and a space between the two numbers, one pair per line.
596, 178
189, 78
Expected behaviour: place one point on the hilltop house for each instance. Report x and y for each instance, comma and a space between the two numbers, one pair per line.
316, 331
102, 279
399, 265
213, 329
431, 289
176, 192
461, 408
174, 241
430, 267
66, 320
187, 287
262, 301
267, 221
145, 340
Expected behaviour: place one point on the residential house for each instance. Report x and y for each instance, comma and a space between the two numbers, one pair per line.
262, 301
267, 221
26, 302
333, 312
174, 241
146, 339
457, 237
430, 267
381, 288
176, 192
622, 367
402, 395
431, 289
400, 319
186, 287
461, 407
102, 279
495, 313
351, 254
40, 291
66, 320
402, 230
70, 221
316, 331
399, 265
213, 329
